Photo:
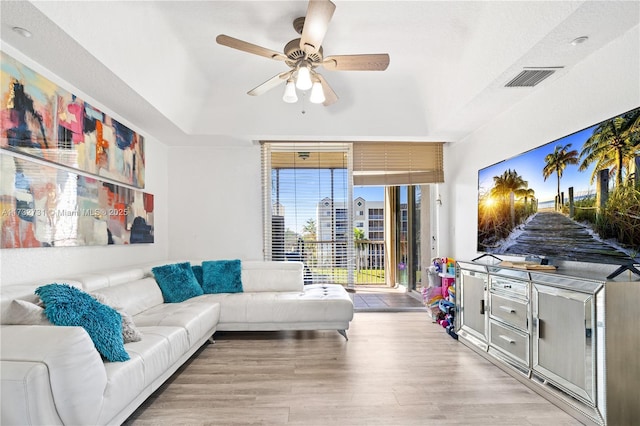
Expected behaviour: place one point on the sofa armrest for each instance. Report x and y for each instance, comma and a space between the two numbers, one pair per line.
26, 394
76, 372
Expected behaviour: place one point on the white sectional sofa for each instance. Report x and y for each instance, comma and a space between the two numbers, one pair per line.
275, 298
52, 375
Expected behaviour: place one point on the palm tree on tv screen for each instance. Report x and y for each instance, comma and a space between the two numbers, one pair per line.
527, 194
508, 185
613, 145
556, 162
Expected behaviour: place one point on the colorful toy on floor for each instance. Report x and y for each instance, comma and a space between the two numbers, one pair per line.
440, 300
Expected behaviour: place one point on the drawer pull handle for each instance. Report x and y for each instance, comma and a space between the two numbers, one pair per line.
507, 286
507, 339
508, 309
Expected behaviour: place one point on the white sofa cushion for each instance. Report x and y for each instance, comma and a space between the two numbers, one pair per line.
135, 296
194, 315
150, 358
161, 347
259, 276
309, 305
318, 303
21, 312
95, 281
125, 380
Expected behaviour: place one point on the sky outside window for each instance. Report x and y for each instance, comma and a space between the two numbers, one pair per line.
302, 189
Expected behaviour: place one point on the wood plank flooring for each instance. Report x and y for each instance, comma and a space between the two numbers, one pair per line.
396, 369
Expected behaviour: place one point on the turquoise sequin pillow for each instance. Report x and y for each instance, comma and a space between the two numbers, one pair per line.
222, 276
70, 306
177, 282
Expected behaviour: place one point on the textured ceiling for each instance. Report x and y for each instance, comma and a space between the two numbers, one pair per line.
156, 63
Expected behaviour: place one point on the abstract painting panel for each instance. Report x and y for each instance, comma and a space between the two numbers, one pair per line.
44, 206
41, 119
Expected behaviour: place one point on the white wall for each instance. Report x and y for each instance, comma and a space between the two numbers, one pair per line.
216, 209
35, 264
605, 84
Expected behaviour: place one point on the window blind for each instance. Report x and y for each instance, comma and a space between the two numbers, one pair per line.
307, 208
397, 163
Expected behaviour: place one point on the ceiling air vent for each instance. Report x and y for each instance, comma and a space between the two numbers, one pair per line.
531, 77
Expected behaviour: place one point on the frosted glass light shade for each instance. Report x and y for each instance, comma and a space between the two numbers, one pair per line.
304, 78
290, 95
317, 94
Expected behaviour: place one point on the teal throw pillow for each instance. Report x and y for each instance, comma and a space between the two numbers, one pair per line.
197, 271
70, 306
222, 276
177, 282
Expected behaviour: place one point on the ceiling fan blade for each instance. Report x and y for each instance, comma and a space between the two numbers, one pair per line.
372, 62
330, 96
270, 84
234, 43
316, 22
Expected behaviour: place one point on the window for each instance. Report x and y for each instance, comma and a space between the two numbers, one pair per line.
308, 204
308, 200
376, 214
376, 225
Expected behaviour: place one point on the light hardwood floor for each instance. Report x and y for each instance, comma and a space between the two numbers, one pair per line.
396, 369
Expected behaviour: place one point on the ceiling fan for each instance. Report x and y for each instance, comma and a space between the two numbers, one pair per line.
303, 55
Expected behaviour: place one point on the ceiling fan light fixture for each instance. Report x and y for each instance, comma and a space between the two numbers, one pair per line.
303, 81
290, 95
304, 55
317, 93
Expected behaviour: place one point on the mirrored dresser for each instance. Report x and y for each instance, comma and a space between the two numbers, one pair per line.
572, 336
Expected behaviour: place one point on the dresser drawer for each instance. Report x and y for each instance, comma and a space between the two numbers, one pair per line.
509, 341
511, 311
506, 285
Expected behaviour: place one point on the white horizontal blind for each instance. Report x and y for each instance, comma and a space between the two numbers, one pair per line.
307, 193
397, 163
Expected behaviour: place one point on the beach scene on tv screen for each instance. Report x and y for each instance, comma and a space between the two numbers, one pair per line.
576, 198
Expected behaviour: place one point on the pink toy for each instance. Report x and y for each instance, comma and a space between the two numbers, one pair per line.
446, 283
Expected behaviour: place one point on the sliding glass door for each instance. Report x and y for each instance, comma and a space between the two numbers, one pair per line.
407, 236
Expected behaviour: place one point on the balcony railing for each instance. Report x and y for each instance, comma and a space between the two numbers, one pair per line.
328, 261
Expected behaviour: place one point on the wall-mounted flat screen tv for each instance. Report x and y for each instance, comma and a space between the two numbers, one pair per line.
576, 198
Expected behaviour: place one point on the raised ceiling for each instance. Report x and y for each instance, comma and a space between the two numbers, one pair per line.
157, 65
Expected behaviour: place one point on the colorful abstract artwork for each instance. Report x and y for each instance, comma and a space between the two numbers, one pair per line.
39, 118
45, 206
